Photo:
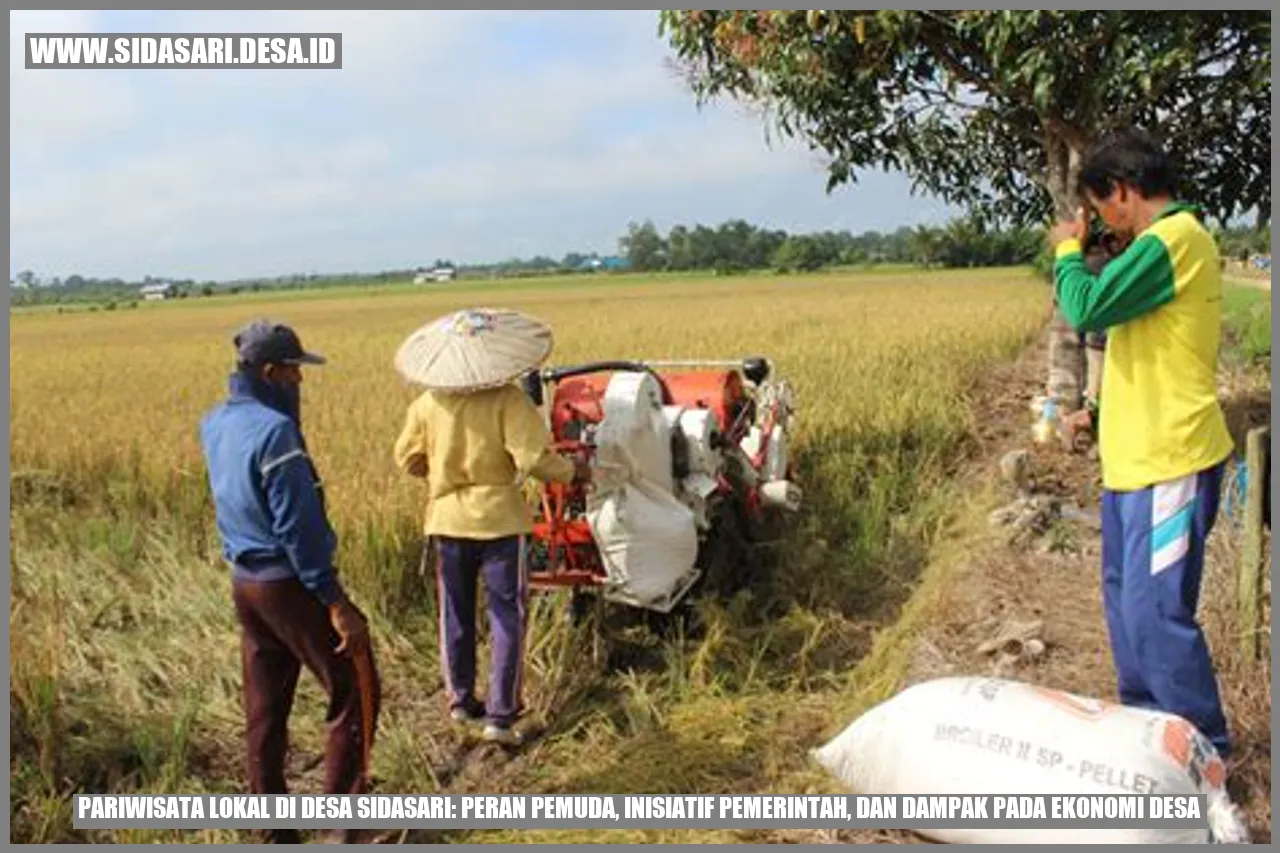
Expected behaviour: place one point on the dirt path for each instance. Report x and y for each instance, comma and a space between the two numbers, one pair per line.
1053, 577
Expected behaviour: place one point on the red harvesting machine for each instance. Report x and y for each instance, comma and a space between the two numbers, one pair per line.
684, 456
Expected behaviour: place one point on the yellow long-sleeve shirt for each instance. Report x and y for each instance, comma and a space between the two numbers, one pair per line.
475, 450
1161, 304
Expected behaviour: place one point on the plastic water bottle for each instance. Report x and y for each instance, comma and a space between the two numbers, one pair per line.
1049, 424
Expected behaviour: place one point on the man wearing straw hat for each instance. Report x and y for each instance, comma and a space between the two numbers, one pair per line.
292, 609
474, 436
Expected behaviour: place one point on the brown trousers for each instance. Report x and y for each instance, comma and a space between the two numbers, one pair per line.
283, 628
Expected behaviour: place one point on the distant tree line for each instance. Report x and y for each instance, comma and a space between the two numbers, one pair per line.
731, 247
737, 245
28, 288
1241, 244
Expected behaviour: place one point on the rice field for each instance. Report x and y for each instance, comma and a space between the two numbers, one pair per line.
124, 672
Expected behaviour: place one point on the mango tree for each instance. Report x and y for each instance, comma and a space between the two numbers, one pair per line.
992, 110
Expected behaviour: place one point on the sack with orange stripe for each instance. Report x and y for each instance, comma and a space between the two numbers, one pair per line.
989, 736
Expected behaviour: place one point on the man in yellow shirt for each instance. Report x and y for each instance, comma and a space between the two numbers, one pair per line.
474, 449
1163, 439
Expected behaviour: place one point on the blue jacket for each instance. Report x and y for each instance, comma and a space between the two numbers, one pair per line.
267, 496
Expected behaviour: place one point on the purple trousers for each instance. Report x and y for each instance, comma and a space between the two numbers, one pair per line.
460, 563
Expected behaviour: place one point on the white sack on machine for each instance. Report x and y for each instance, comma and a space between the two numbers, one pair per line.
646, 536
995, 737
646, 539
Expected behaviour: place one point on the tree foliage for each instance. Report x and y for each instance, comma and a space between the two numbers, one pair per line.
737, 245
991, 110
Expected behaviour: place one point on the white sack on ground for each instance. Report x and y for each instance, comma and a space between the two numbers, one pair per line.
956, 736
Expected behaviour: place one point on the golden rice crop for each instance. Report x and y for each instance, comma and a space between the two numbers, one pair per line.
863, 353
116, 578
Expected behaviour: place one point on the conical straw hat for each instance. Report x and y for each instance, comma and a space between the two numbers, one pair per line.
474, 349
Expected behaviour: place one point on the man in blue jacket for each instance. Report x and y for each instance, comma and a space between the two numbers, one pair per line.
276, 538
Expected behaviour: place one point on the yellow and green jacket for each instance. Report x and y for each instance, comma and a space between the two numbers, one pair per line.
1161, 305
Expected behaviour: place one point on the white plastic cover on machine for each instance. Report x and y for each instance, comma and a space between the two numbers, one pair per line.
995, 737
699, 429
698, 426
634, 433
646, 536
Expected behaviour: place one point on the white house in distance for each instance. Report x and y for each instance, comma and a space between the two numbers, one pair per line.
158, 290
444, 272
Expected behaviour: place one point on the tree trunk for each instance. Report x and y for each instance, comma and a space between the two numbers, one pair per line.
1066, 354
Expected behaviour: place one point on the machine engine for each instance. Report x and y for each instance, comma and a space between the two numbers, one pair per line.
675, 448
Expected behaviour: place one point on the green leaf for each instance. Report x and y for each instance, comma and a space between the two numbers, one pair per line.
1044, 88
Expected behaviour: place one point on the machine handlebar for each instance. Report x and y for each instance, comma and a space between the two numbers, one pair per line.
556, 374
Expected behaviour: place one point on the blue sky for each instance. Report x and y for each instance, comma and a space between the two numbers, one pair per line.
474, 136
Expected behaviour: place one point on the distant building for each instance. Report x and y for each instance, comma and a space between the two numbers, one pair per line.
609, 263
159, 290
445, 272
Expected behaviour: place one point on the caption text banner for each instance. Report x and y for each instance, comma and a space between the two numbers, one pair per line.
517, 811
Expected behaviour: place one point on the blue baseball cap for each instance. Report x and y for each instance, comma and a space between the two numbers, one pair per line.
266, 342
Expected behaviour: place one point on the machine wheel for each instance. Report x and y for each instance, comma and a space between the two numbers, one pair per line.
580, 604
669, 625
723, 554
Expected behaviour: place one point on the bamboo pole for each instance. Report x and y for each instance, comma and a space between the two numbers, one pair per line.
1258, 460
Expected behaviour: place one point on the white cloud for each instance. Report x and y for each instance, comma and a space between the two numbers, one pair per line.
214, 187
229, 188
725, 152
556, 108
51, 110
47, 21
377, 47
